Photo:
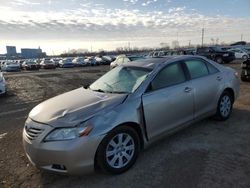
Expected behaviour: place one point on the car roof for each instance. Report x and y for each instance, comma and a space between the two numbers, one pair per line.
151, 63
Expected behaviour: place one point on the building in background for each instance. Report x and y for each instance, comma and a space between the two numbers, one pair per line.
29, 53
11, 51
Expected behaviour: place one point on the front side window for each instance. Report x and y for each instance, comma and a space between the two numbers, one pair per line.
170, 75
120, 80
196, 68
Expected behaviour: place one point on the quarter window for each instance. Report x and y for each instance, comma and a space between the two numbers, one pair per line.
212, 69
196, 68
171, 75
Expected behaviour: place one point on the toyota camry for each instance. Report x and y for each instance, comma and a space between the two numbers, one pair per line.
107, 124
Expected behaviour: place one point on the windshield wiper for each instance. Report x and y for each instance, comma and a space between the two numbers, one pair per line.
119, 92
99, 90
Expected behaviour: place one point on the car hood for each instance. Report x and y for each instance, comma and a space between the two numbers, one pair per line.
74, 107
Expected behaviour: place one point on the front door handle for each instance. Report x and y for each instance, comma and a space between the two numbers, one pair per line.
219, 78
188, 89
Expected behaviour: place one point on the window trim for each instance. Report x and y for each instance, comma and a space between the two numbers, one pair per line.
149, 87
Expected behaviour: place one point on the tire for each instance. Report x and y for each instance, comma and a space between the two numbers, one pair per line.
244, 57
224, 107
219, 60
116, 162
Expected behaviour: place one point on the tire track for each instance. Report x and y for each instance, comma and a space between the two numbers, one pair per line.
225, 170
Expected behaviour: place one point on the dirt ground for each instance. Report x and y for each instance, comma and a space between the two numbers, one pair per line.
207, 154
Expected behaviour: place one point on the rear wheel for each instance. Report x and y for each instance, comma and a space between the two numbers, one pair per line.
224, 107
119, 150
219, 60
244, 57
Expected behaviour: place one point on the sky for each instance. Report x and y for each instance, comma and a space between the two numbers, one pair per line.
61, 25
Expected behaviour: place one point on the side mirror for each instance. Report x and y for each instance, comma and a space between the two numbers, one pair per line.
86, 86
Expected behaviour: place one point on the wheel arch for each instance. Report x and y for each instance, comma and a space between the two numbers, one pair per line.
132, 125
231, 92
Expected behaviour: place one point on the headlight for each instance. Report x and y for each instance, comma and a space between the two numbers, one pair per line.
67, 133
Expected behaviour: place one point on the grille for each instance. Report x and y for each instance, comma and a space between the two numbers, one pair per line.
33, 132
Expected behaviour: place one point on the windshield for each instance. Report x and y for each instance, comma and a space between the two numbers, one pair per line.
217, 49
120, 80
134, 58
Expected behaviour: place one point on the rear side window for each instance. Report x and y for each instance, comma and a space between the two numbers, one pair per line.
196, 68
170, 75
212, 69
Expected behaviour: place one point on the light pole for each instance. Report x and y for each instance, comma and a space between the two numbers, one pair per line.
202, 36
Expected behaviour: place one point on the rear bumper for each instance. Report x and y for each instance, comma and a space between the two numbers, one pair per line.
10, 69
67, 66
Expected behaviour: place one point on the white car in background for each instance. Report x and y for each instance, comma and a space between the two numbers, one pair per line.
2, 84
240, 53
10, 66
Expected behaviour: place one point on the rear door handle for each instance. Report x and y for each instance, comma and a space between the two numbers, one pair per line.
188, 89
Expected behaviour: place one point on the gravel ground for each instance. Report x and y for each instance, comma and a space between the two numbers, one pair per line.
207, 154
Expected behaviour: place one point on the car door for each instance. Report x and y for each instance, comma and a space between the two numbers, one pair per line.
237, 54
207, 83
168, 101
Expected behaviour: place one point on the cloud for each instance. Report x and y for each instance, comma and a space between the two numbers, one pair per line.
130, 1
24, 2
148, 2
99, 23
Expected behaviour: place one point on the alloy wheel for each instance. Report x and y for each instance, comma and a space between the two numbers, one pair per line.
120, 150
225, 106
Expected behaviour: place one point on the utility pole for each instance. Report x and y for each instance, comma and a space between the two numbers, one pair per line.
202, 36
241, 37
189, 43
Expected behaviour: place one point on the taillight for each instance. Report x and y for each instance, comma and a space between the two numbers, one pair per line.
236, 74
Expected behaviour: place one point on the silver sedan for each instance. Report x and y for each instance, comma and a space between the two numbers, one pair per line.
107, 124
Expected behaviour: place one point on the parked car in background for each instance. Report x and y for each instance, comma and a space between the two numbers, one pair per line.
239, 53
245, 73
107, 60
9, 66
127, 109
79, 62
121, 59
56, 61
66, 63
30, 65
47, 64
2, 84
216, 54
91, 61
1, 64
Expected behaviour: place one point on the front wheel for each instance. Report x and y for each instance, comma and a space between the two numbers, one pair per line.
224, 107
119, 150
